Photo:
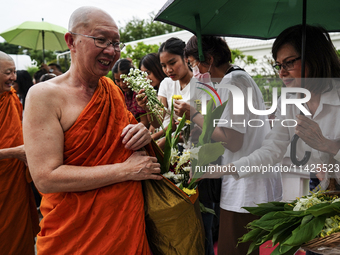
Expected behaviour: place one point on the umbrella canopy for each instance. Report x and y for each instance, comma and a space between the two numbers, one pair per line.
262, 19
37, 36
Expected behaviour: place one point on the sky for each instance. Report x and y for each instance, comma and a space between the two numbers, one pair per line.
14, 12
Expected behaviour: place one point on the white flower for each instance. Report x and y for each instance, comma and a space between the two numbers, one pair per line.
187, 168
183, 159
194, 152
176, 177
137, 80
307, 202
174, 156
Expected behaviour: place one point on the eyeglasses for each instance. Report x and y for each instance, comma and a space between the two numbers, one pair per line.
286, 65
192, 65
103, 42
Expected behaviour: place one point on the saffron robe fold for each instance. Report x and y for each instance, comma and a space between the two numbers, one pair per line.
108, 220
19, 221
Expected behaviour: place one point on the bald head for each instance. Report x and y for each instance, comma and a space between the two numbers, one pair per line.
81, 18
5, 56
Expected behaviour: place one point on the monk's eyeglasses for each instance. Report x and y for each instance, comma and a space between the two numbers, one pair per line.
289, 65
103, 43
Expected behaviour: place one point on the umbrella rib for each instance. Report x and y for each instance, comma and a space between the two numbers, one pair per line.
61, 43
37, 41
272, 18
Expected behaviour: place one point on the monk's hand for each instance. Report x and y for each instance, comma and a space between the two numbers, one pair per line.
181, 107
135, 136
142, 99
143, 167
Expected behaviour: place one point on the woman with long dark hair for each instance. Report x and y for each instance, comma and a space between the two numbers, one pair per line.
22, 85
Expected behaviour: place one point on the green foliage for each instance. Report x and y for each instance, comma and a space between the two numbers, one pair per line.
32, 70
109, 75
247, 60
289, 228
138, 51
64, 62
38, 56
137, 29
262, 82
10, 48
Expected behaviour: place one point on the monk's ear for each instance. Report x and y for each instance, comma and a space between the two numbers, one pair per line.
70, 41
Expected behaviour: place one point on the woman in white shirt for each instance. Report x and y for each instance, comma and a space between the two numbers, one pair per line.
319, 133
171, 57
240, 140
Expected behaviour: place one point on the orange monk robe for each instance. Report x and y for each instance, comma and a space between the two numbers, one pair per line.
19, 222
108, 220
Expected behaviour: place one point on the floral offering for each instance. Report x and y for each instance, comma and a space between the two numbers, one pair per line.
177, 167
292, 225
136, 80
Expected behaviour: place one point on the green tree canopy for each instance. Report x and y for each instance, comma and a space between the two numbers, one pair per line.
10, 48
138, 51
137, 29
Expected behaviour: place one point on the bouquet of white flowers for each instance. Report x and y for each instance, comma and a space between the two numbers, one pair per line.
136, 80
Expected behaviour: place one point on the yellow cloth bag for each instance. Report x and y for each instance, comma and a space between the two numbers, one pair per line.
173, 219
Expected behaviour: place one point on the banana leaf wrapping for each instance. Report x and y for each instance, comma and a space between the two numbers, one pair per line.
173, 219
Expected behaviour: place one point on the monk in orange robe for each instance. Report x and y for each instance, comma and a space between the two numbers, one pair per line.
81, 147
19, 222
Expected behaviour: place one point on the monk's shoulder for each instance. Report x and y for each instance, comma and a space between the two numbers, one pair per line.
46, 89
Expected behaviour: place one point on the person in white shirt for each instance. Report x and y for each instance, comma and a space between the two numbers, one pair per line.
318, 132
240, 140
171, 57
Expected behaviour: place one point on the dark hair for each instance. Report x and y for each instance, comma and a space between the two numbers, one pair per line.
47, 76
122, 66
56, 65
24, 81
321, 57
174, 46
214, 46
151, 62
38, 74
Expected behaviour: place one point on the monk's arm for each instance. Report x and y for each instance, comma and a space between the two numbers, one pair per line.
14, 152
44, 143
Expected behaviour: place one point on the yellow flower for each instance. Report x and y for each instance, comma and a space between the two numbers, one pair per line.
189, 191
188, 122
177, 97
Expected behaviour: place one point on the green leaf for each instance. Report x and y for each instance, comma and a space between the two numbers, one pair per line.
306, 219
284, 231
208, 125
252, 247
320, 209
168, 144
204, 209
283, 228
263, 209
178, 130
286, 250
209, 152
306, 232
250, 236
257, 243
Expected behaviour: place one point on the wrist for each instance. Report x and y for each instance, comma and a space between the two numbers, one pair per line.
332, 147
194, 115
